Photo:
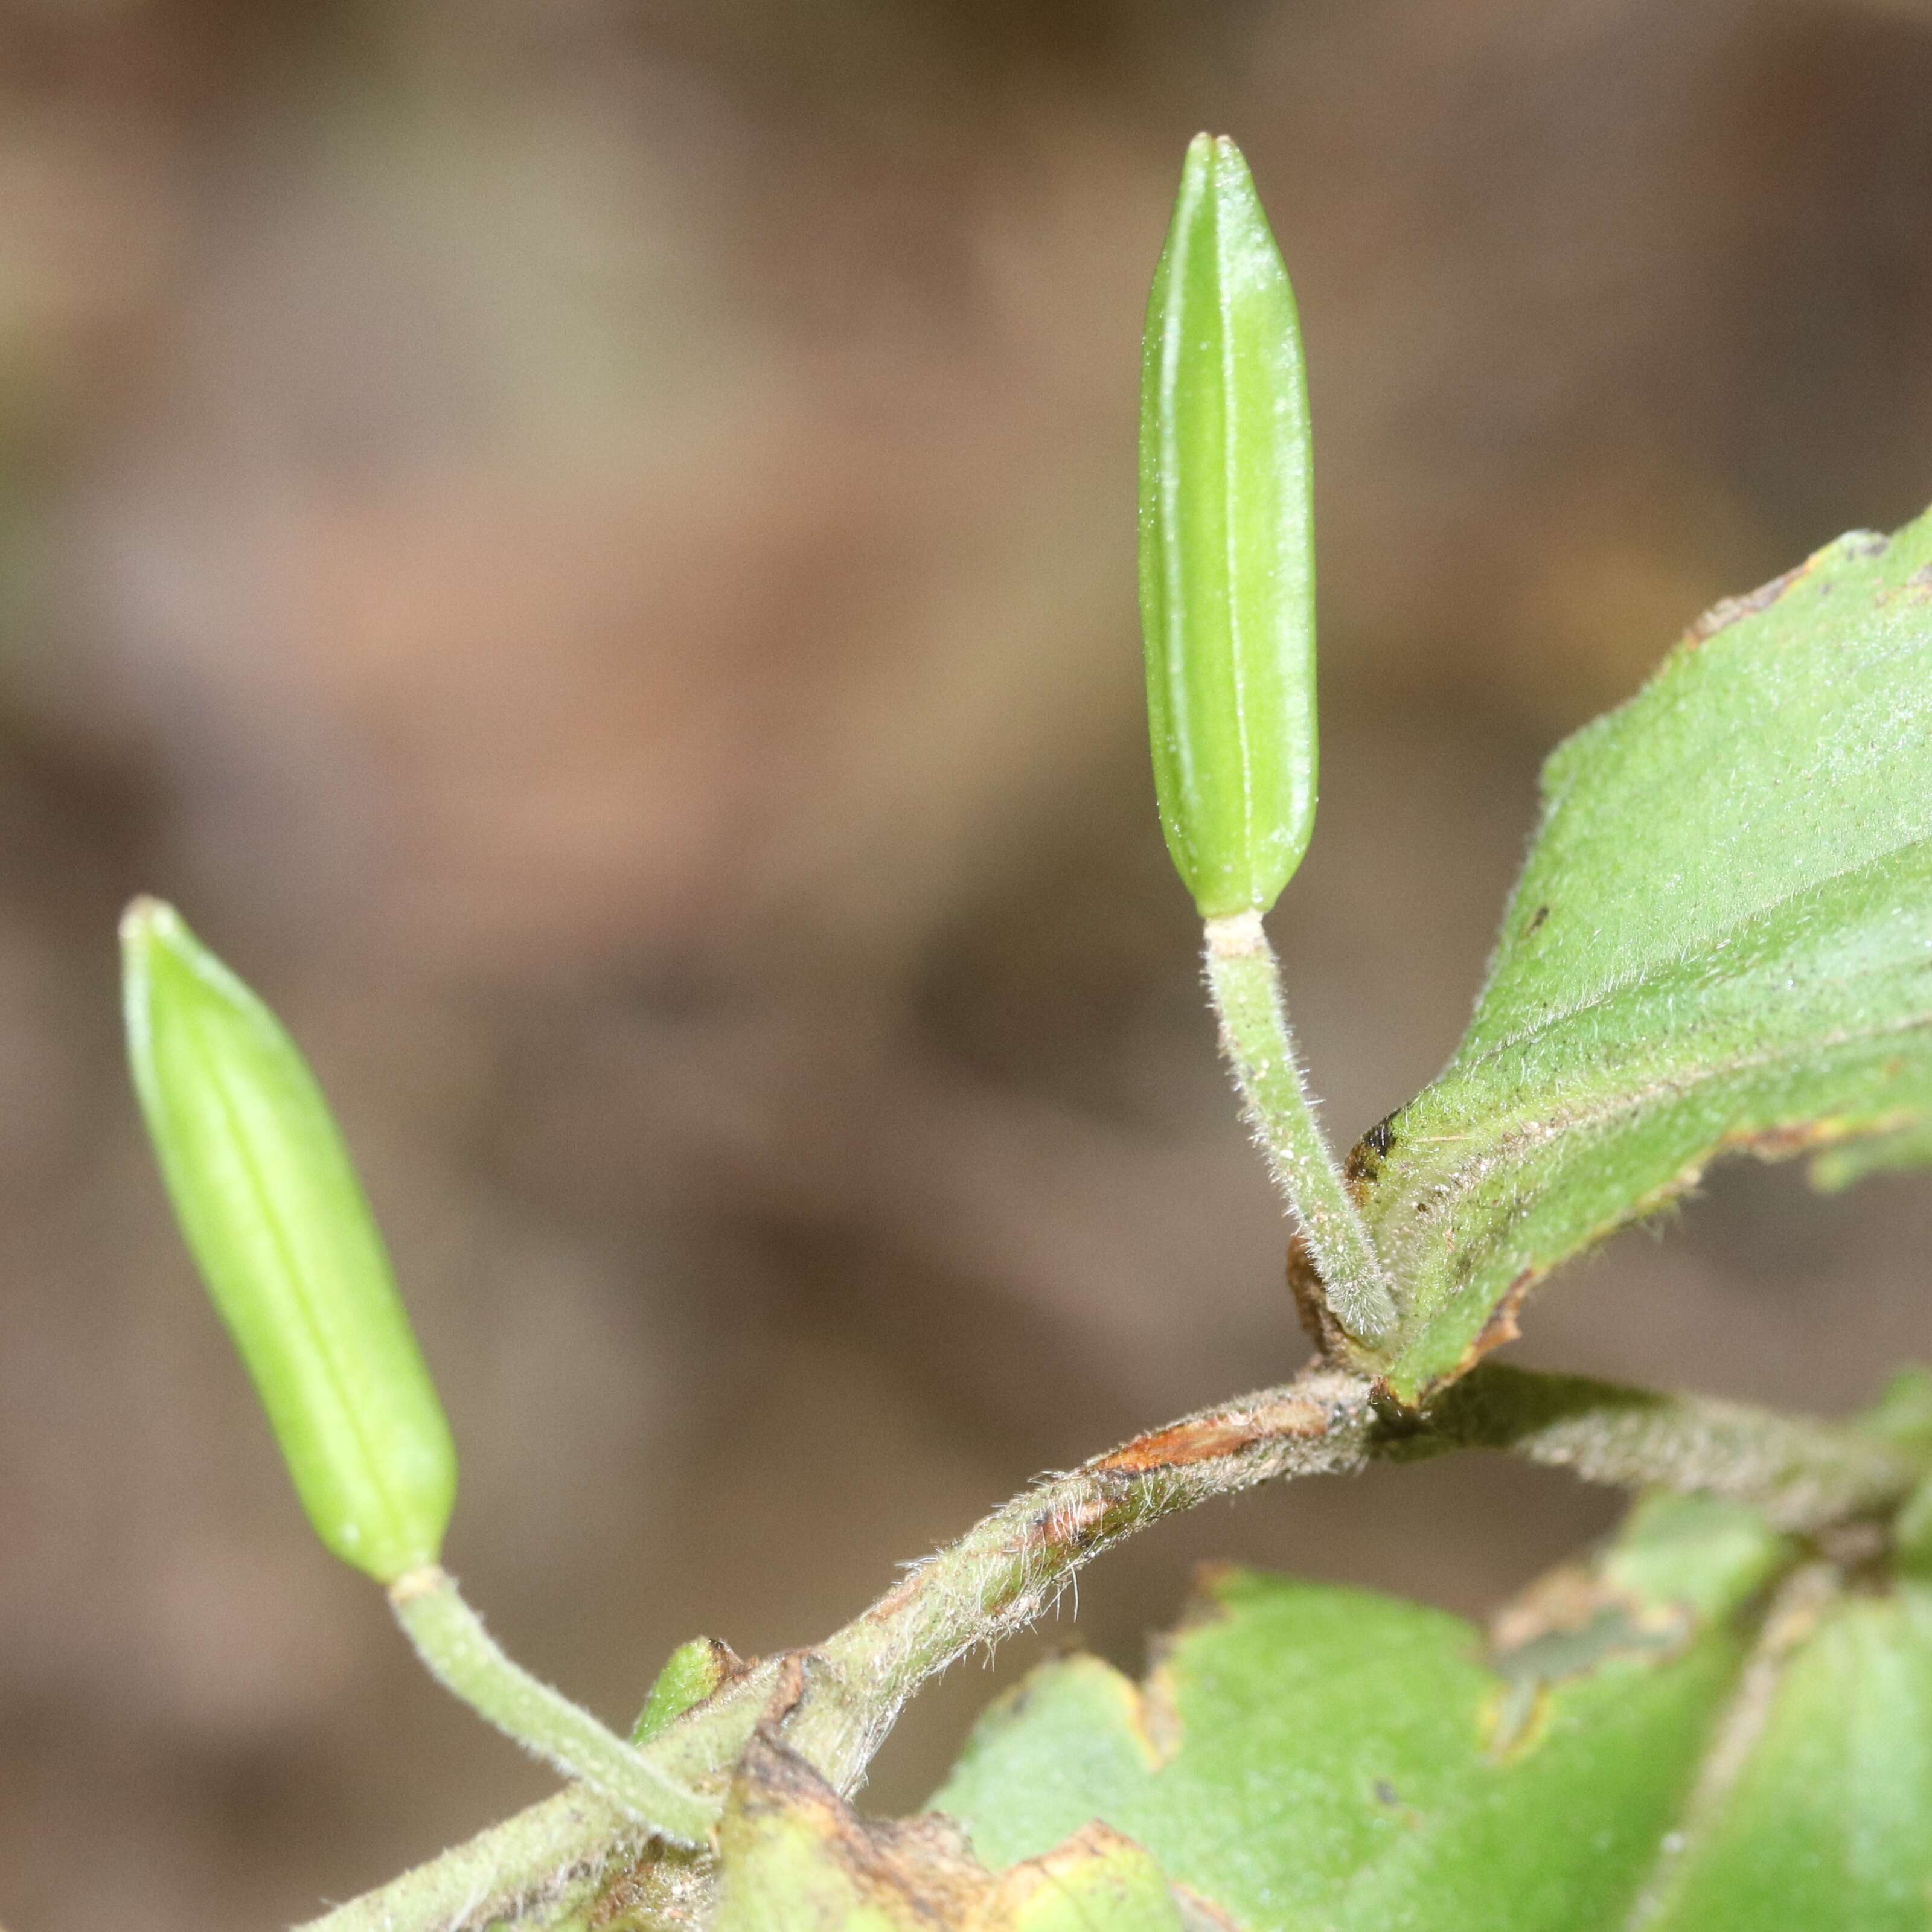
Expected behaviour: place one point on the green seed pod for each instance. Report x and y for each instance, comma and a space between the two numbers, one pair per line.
1226, 545
277, 1223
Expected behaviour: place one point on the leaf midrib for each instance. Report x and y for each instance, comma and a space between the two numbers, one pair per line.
1609, 990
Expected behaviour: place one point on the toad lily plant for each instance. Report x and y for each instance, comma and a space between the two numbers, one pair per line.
1720, 1720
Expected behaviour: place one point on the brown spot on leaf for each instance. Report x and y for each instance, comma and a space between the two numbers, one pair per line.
1206, 1600
1564, 1626
793, 1852
1563, 1600
1536, 920
1157, 1713
1103, 1875
1503, 1325
918, 1871
1729, 610
1781, 1143
1200, 1914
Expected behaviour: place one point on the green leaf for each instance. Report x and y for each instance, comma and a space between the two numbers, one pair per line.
1658, 1742
1096, 1882
1227, 569
1826, 1821
1722, 941
1304, 1757
794, 1857
277, 1221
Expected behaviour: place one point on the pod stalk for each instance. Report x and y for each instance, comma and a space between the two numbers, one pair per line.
463, 1656
1244, 981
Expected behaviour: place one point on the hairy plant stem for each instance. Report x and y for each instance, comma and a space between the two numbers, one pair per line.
462, 1656
1245, 983
836, 1702
1800, 1475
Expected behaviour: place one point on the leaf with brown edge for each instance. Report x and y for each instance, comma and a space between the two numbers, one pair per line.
1821, 1815
794, 1857
1305, 1757
1096, 1879
1721, 942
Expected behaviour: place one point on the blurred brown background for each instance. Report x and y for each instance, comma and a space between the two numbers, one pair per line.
589, 547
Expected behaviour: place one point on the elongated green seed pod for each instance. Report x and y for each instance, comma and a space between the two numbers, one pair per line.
1226, 545
277, 1223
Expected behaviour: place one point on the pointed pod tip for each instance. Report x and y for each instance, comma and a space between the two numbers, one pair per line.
1219, 148
148, 918
1232, 174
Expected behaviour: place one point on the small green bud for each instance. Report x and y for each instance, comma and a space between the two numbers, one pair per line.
697, 1669
1226, 545
277, 1223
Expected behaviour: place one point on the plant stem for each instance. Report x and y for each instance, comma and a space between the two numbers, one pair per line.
1009, 1569
1245, 982
537, 1863
1001, 1576
463, 1656
1798, 1474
